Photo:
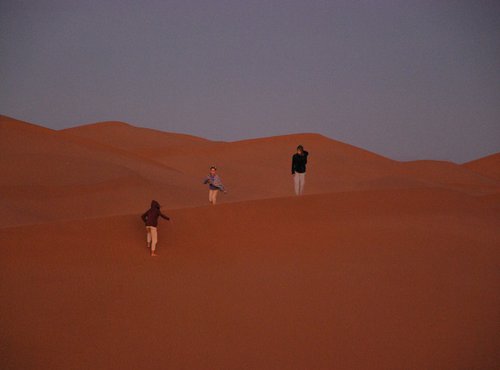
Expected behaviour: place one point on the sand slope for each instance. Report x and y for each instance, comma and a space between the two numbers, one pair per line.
488, 166
372, 279
114, 168
382, 265
52, 175
140, 141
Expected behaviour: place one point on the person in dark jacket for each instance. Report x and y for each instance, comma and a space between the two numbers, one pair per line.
150, 218
299, 162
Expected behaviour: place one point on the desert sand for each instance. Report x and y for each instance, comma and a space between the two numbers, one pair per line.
380, 265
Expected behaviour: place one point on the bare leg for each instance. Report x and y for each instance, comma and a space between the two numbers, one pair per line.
148, 237
154, 240
212, 196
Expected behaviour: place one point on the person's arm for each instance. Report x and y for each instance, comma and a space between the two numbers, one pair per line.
144, 217
207, 181
305, 155
293, 167
165, 217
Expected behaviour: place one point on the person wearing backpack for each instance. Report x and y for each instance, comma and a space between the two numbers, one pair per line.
150, 218
299, 162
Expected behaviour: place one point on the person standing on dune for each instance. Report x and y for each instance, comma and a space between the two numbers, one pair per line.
299, 161
214, 185
150, 218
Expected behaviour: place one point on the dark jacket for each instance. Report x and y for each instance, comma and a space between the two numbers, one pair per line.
299, 162
150, 217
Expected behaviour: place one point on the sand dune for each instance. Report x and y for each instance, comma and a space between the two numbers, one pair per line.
140, 141
383, 264
373, 279
114, 168
54, 175
488, 166
450, 175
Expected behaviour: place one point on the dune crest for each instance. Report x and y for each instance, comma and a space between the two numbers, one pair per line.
380, 265
113, 167
488, 166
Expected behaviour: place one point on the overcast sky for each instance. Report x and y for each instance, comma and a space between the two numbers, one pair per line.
405, 79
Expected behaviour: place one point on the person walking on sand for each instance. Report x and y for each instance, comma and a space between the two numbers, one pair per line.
214, 185
150, 218
299, 161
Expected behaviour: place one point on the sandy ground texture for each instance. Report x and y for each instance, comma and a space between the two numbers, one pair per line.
380, 265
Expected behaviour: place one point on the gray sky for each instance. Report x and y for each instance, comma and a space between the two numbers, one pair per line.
406, 79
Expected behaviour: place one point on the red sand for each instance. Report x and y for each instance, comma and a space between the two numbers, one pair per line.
381, 265
488, 166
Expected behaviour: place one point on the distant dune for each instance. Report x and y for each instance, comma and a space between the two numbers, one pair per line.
381, 265
488, 166
114, 168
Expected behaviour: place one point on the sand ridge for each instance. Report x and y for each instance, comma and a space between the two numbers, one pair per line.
488, 166
116, 168
382, 264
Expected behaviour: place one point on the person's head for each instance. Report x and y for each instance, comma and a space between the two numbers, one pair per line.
155, 204
300, 149
213, 170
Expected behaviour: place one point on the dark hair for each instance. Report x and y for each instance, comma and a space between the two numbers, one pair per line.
300, 147
213, 168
